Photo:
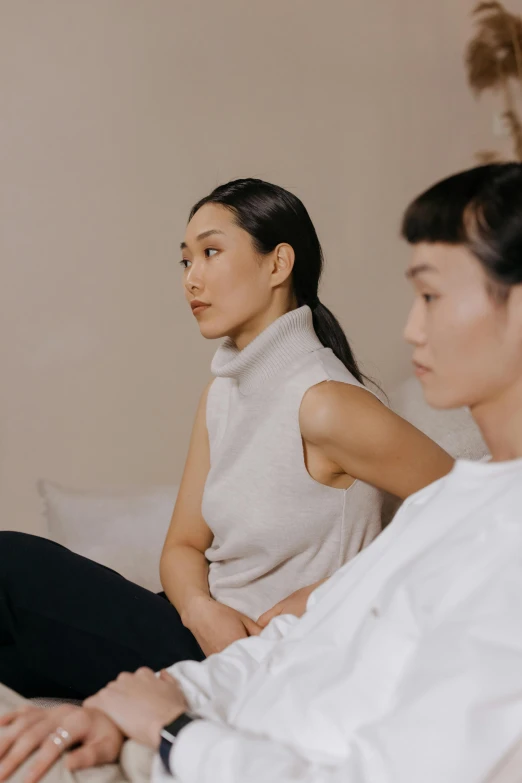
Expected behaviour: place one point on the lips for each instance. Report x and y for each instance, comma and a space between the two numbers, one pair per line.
198, 307
420, 369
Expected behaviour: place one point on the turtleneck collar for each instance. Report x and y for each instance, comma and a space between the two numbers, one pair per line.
291, 336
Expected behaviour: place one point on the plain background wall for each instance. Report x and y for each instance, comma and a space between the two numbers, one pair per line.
116, 116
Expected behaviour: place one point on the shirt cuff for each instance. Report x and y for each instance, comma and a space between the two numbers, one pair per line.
189, 749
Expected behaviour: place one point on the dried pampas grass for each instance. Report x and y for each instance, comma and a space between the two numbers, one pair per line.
494, 62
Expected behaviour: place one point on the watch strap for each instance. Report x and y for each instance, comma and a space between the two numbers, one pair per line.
168, 736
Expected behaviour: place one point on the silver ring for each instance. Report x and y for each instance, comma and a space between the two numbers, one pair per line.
60, 737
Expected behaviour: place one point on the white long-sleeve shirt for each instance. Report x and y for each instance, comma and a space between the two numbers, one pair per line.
405, 668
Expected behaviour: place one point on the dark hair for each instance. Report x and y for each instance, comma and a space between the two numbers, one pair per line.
272, 215
480, 209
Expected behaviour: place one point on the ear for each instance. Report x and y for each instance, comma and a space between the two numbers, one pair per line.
283, 264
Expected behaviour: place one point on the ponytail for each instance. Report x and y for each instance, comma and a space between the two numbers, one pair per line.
330, 333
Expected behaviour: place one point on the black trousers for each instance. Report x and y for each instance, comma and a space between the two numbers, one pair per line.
69, 625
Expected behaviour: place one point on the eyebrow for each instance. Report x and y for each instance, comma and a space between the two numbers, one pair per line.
419, 270
203, 235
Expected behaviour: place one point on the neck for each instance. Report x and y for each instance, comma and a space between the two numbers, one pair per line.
500, 421
248, 331
272, 352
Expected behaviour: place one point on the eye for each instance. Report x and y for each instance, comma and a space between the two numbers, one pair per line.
185, 263
428, 298
209, 251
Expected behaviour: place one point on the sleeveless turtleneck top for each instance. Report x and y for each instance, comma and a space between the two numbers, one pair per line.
275, 528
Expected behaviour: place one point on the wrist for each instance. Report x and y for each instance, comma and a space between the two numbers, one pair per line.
159, 724
169, 737
192, 607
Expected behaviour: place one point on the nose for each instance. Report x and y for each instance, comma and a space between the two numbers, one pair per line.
193, 282
192, 287
414, 331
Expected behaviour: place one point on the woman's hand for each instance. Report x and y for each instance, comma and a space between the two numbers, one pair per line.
215, 625
31, 730
141, 704
293, 604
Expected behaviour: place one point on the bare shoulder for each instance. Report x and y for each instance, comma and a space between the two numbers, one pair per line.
356, 431
329, 406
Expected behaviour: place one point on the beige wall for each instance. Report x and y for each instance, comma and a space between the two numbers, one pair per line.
116, 116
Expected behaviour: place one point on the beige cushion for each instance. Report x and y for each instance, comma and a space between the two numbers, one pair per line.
123, 530
454, 430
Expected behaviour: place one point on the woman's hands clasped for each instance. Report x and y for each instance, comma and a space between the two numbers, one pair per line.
48, 733
293, 604
134, 706
215, 625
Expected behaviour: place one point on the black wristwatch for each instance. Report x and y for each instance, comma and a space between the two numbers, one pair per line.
168, 737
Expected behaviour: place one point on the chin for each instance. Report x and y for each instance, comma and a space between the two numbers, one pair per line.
210, 332
213, 329
214, 326
443, 396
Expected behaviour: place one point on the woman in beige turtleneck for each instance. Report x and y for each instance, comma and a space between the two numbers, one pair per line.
282, 483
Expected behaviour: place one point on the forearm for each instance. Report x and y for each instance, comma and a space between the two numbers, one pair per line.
184, 576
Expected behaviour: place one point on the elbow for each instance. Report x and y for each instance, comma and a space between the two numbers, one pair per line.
165, 563
162, 570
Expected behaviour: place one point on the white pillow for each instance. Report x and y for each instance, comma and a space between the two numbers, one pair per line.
123, 530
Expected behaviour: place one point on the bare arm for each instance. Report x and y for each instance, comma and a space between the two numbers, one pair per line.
354, 430
183, 566
359, 437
